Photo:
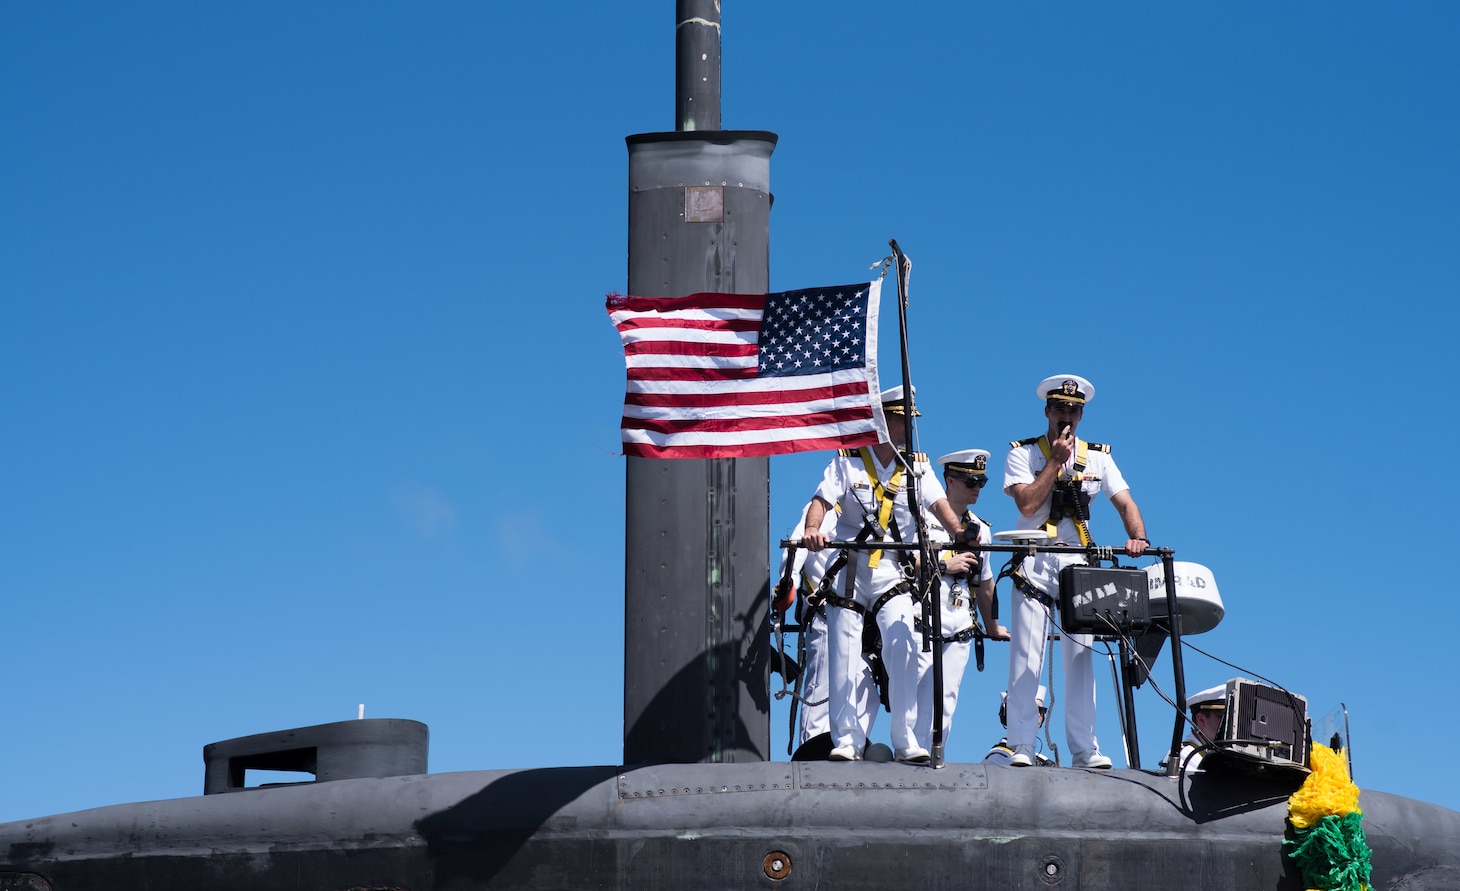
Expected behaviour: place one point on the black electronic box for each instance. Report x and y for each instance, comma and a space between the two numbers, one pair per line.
1094, 600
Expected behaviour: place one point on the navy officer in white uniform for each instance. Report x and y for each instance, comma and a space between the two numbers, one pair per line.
868, 485
965, 579
1208, 716
1053, 478
807, 572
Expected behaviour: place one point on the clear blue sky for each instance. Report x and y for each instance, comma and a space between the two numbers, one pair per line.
309, 400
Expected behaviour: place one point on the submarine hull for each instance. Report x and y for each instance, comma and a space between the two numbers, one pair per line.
771, 825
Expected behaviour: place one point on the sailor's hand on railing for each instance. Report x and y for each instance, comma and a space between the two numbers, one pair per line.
813, 539
1136, 546
999, 633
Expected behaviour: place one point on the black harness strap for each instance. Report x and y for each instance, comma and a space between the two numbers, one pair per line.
872, 640
1027, 588
846, 603
869, 612
895, 590
827, 584
963, 636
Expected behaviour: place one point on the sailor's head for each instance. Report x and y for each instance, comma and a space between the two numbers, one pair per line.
969, 470
1004, 706
893, 403
1064, 397
1209, 711
896, 408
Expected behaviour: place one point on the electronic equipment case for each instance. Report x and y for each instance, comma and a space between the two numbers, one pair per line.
1103, 601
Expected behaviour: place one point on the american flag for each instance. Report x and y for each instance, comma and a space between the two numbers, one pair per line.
739, 375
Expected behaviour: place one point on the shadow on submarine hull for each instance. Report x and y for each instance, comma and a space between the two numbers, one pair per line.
688, 826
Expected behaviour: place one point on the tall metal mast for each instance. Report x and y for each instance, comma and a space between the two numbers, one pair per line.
697, 65
696, 561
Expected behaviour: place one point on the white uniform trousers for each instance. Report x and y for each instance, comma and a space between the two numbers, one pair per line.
853, 703
955, 660
1027, 629
813, 718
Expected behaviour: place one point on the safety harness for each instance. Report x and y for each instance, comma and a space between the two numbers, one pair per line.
1028, 589
883, 522
970, 521
963, 636
882, 496
1069, 498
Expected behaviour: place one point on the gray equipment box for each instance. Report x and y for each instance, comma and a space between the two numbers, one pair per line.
1266, 723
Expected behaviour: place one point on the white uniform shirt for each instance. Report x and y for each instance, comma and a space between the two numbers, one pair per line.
1100, 475
845, 484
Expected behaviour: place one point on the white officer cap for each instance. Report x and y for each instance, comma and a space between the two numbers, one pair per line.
1210, 699
892, 401
1065, 388
974, 462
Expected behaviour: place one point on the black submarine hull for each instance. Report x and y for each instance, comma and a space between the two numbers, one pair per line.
757, 825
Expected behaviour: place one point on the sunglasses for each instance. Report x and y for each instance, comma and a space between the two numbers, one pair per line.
973, 482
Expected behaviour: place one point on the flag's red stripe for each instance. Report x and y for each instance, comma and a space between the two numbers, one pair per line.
735, 425
649, 322
692, 374
688, 348
747, 397
750, 450
621, 303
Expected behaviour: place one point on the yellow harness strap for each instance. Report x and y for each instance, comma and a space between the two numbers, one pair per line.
1082, 456
883, 495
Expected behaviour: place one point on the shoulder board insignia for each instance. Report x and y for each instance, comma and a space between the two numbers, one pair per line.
1099, 446
919, 458
1023, 442
847, 453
